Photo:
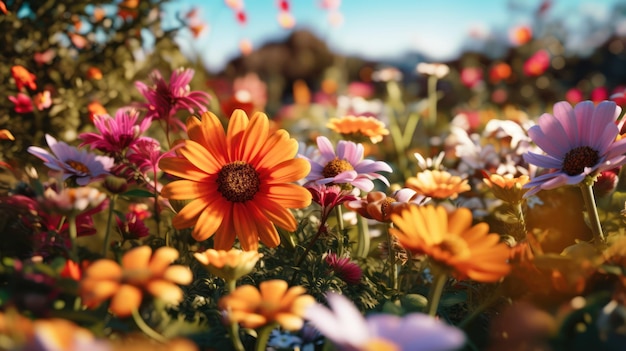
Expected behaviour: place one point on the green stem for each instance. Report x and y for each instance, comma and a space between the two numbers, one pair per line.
520, 228
107, 234
320, 230
73, 236
480, 309
363, 242
263, 337
432, 100
586, 188
436, 289
341, 227
391, 259
146, 329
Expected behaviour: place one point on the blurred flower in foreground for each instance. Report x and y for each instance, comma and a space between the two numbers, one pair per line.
273, 301
23, 78
347, 166
437, 184
116, 134
73, 200
579, 142
229, 265
241, 181
140, 271
452, 242
77, 164
344, 325
357, 128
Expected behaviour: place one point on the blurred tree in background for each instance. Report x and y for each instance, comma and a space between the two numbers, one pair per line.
84, 55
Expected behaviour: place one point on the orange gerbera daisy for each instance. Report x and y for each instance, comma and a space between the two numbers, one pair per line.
274, 301
357, 127
507, 188
451, 241
240, 182
437, 184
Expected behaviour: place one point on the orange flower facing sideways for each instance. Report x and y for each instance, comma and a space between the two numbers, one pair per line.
228, 265
272, 302
240, 182
141, 271
437, 184
358, 127
452, 242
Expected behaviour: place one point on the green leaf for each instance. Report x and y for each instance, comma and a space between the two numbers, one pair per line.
138, 193
414, 302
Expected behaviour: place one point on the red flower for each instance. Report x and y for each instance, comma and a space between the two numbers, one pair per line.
537, 64
343, 268
22, 102
23, 78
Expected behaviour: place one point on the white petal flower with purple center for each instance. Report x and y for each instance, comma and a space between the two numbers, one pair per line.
346, 166
81, 165
344, 325
578, 142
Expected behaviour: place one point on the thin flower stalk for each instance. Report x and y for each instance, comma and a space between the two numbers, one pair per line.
586, 187
107, 233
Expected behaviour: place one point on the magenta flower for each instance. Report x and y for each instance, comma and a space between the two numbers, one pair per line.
344, 325
133, 228
116, 134
329, 196
344, 268
22, 102
579, 142
347, 166
165, 99
80, 165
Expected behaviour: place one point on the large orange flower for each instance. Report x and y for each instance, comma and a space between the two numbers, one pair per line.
240, 182
451, 241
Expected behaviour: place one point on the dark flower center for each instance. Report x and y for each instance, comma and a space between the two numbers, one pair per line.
335, 167
238, 182
385, 207
79, 166
577, 159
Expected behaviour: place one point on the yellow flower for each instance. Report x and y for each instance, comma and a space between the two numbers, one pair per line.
507, 188
358, 127
228, 265
437, 184
140, 271
240, 181
451, 241
274, 301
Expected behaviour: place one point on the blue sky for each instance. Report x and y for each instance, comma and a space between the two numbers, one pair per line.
371, 28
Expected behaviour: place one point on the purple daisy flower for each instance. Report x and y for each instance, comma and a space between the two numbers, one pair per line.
579, 142
347, 166
165, 99
117, 133
344, 325
81, 165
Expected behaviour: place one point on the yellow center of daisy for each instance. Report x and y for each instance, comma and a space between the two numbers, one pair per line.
79, 166
335, 167
577, 159
454, 248
238, 181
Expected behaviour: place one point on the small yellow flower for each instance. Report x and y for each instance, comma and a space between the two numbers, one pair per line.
507, 188
438, 184
358, 127
228, 265
272, 302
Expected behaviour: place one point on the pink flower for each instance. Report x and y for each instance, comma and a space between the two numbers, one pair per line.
132, 228
165, 99
329, 196
471, 76
344, 268
117, 133
347, 166
42, 100
537, 64
22, 102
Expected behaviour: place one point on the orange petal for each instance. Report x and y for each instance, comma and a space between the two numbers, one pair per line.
272, 291
165, 291
104, 269
236, 127
225, 235
278, 148
182, 168
178, 274
277, 214
245, 228
94, 292
460, 220
200, 157
188, 216
289, 171
162, 258
137, 258
6, 135
127, 299
209, 220
288, 195
289, 321
215, 137
254, 136
184, 190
